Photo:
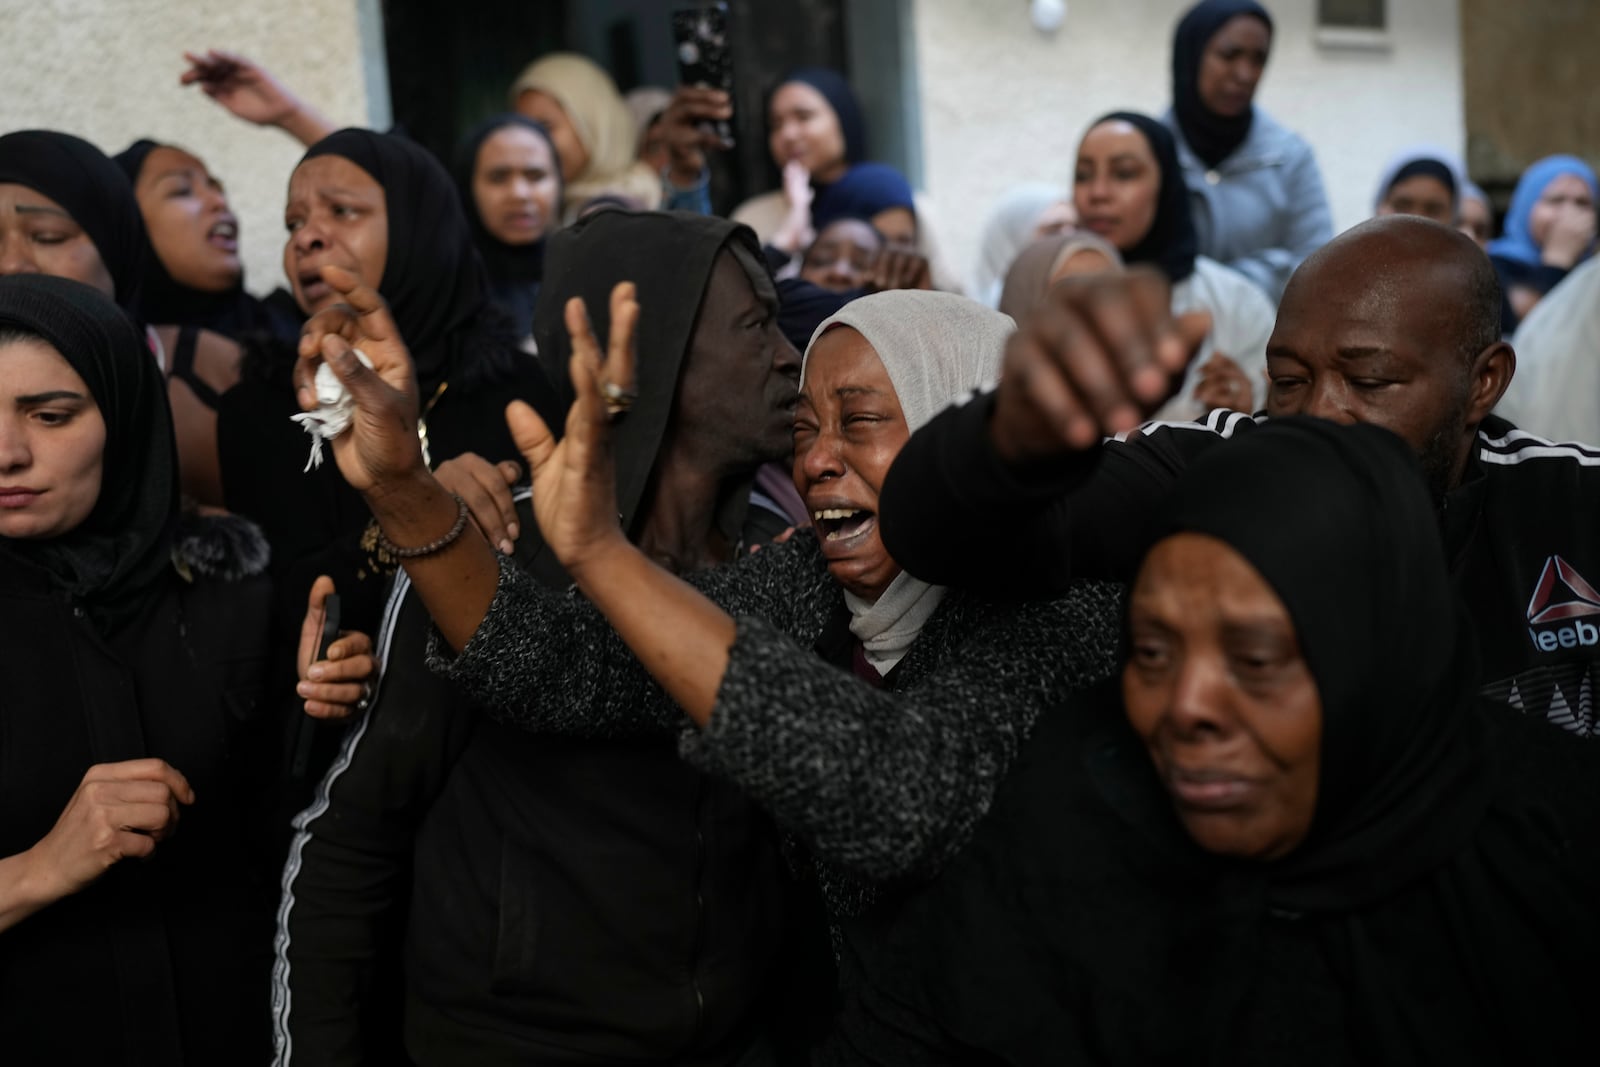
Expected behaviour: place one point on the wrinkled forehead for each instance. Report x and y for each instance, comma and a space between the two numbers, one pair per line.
1370, 295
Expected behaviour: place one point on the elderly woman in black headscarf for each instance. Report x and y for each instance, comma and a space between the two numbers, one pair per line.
1296, 834
380, 206
1128, 188
134, 668
510, 180
1259, 202
673, 959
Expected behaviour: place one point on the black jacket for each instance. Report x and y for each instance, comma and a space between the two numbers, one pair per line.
1522, 532
563, 900
162, 961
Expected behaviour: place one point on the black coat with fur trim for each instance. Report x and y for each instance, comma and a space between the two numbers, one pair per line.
165, 960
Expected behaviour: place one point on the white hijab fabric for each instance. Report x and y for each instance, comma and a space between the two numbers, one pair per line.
1008, 231
938, 349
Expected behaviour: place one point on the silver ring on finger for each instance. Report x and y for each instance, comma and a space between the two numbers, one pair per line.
618, 400
366, 697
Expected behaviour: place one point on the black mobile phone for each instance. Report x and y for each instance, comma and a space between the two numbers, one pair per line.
705, 53
306, 726
330, 626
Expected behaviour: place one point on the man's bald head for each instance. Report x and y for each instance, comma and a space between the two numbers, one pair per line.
1409, 266
1394, 323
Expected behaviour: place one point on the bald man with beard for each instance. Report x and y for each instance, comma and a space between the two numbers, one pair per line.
1051, 477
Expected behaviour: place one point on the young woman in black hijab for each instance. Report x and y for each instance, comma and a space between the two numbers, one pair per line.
1128, 188
1259, 204
1296, 836
510, 180
192, 273
134, 668
79, 218
381, 206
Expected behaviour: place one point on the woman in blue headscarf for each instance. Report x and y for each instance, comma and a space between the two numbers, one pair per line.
1257, 195
817, 138
1549, 230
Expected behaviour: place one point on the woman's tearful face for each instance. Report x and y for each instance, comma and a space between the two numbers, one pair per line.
848, 428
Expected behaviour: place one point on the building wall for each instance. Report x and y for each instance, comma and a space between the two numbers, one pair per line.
1546, 50
1003, 104
108, 71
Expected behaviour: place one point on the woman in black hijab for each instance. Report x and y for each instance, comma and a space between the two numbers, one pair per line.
673, 960
1128, 188
133, 670
192, 273
1298, 836
510, 180
380, 205
62, 173
1259, 203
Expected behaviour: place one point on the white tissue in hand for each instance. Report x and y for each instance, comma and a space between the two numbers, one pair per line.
335, 408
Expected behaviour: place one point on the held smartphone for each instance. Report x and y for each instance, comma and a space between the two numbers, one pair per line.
705, 53
306, 726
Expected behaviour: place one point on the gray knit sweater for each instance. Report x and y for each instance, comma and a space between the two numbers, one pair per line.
880, 784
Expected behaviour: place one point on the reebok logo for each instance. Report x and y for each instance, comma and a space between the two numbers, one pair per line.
1574, 600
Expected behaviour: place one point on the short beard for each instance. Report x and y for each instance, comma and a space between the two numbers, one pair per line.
1440, 452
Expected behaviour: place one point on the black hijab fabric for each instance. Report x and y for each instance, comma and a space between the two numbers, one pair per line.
119, 553
669, 256
163, 300
433, 278
1171, 243
93, 190
1440, 910
835, 89
514, 270
1210, 136
1427, 168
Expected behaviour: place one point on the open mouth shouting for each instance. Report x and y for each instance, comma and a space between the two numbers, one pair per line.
224, 235
843, 528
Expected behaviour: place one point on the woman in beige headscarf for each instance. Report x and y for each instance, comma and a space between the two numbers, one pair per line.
594, 133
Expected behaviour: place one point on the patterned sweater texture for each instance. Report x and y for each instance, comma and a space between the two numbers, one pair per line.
881, 786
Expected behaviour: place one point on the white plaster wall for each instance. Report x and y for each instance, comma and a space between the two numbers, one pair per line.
1003, 104
107, 70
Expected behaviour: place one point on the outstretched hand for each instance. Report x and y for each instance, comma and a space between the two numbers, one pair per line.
251, 92
1097, 357
574, 481
380, 449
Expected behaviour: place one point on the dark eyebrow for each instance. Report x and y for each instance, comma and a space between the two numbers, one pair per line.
858, 390
40, 209
45, 398
1364, 352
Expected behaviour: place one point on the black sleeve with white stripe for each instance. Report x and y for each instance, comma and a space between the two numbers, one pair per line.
955, 513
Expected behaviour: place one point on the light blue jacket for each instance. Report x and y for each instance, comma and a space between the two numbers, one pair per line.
1263, 209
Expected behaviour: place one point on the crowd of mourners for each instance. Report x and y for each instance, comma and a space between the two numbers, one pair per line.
565, 626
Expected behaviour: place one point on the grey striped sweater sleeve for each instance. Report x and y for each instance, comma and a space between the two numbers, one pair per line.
548, 661
886, 784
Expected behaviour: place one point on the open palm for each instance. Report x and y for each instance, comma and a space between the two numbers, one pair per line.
574, 481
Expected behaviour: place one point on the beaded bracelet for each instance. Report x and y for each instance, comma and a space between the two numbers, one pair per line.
431, 547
